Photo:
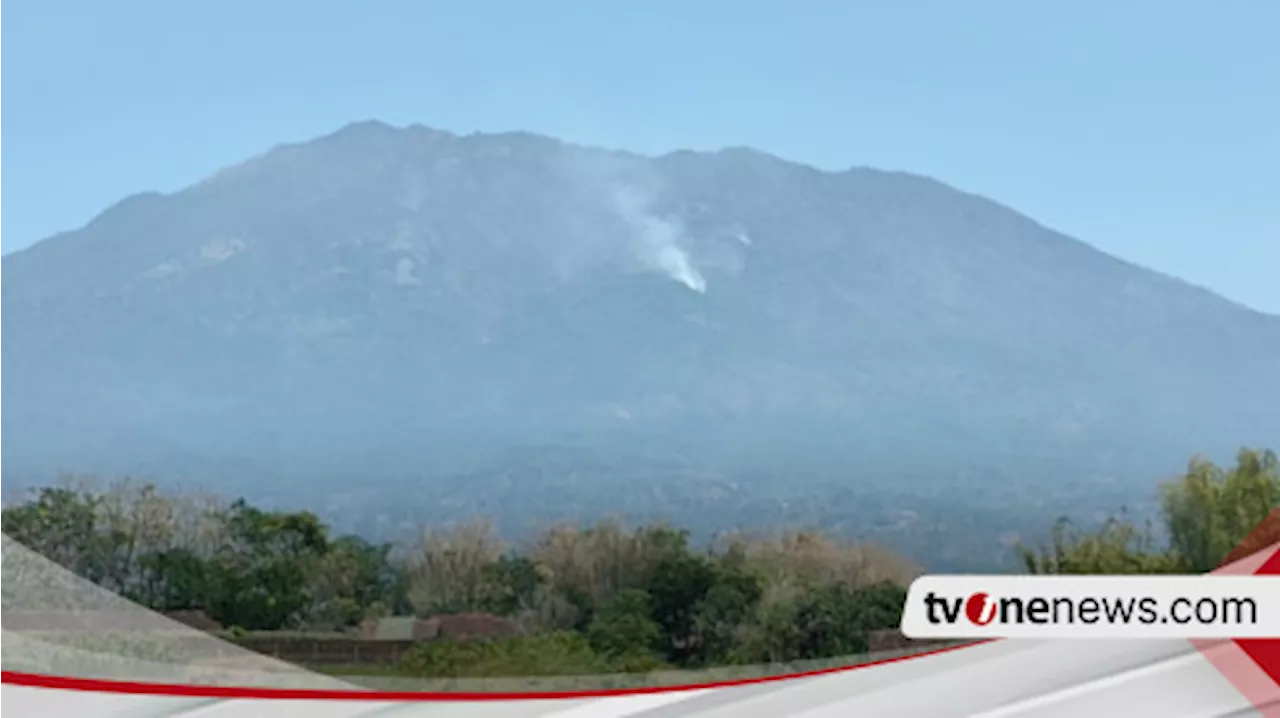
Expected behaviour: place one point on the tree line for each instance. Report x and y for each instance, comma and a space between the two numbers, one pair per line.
638, 598
597, 599
1204, 515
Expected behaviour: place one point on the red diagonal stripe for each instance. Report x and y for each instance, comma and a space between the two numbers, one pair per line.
1252, 665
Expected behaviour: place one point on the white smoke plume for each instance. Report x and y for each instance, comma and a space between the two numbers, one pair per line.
658, 241
626, 191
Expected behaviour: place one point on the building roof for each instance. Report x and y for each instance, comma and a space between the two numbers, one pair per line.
395, 628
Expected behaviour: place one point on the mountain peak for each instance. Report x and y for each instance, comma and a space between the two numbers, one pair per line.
362, 129
510, 278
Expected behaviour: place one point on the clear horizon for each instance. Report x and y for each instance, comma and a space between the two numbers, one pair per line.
1145, 131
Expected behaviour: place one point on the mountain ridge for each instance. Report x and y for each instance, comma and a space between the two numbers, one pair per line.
363, 129
511, 323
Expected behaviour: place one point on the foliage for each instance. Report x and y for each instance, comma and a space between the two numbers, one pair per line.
510, 585
724, 612
260, 579
447, 571
242, 565
1211, 510
598, 599
1206, 513
624, 626
1118, 547
834, 620
591, 599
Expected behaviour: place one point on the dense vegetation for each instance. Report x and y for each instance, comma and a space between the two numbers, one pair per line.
599, 599
1205, 514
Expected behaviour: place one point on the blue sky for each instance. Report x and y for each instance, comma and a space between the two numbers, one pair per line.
1149, 128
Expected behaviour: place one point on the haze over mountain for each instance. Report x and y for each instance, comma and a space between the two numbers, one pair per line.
408, 303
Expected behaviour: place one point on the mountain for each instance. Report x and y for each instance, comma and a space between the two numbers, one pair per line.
408, 305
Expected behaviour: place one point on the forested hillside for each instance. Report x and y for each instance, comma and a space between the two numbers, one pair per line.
586, 600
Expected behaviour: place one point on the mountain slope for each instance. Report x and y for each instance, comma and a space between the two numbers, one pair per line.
395, 301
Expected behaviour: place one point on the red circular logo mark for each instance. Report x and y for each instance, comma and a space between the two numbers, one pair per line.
980, 609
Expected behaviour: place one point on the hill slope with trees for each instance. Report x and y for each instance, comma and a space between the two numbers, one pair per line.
601, 599
410, 318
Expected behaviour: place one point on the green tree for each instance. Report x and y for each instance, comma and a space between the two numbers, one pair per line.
1210, 510
355, 580
588, 566
623, 627
260, 580
510, 585
1118, 547
834, 620
774, 634
722, 616
61, 524
173, 580
1206, 513
678, 585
